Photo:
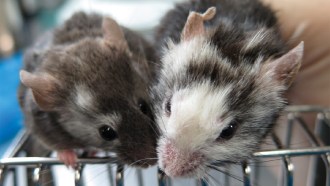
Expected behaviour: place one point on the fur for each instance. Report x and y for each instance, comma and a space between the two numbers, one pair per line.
216, 79
98, 84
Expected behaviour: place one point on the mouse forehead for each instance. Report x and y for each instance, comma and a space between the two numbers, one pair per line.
92, 65
93, 101
94, 51
88, 53
197, 112
108, 105
185, 53
199, 60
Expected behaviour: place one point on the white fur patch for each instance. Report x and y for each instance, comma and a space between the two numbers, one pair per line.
197, 115
84, 97
196, 50
256, 38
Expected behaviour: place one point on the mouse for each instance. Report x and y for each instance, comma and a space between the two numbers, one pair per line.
224, 70
84, 85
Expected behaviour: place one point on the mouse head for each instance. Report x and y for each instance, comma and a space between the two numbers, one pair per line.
211, 109
100, 99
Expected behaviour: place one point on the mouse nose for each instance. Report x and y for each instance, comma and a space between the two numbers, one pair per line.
177, 162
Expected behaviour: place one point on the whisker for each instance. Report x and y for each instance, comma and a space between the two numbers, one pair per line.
153, 125
226, 173
205, 180
163, 123
141, 160
212, 178
98, 174
229, 174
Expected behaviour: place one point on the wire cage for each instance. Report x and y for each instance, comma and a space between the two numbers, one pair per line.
15, 169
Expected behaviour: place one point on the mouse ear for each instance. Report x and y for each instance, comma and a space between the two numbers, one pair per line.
285, 68
43, 88
195, 24
113, 34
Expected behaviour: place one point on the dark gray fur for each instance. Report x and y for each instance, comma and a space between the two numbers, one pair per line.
108, 73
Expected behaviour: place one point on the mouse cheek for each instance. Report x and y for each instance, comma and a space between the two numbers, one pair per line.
179, 162
138, 144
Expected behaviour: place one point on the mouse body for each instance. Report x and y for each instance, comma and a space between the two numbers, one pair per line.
84, 86
224, 68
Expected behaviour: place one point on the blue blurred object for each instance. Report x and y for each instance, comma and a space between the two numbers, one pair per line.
10, 114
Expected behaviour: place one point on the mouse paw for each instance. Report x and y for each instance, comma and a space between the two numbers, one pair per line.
69, 157
92, 153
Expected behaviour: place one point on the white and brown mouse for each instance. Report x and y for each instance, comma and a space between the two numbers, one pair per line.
224, 70
85, 86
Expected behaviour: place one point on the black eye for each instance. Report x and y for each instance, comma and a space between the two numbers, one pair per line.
228, 132
108, 133
168, 106
143, 106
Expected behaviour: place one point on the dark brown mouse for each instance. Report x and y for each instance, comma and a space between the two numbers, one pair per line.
85, 86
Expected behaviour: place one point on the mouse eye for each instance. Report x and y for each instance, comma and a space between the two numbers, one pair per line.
108, 133
168, 107
143, 106
228, 132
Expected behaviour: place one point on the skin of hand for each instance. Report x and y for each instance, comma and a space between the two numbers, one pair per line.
308, 21
312, 85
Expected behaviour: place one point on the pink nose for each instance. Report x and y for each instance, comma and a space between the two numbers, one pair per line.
179, 163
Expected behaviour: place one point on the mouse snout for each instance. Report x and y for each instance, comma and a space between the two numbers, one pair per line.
180, 162
137, 140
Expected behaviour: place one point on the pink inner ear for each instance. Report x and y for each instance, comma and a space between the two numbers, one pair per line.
285, 68
194, 27
43, 88
113, 34
26, 77
195, 24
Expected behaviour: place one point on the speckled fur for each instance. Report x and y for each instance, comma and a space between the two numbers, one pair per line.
97, 84
215, 79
